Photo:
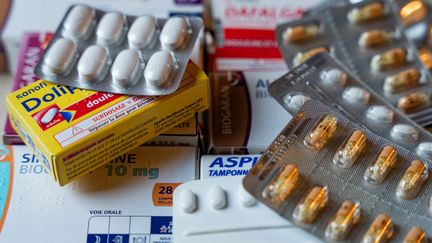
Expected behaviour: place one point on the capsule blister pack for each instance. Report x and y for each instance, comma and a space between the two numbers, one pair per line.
113, 52
368, 38
233, 213
322, 78
341, 182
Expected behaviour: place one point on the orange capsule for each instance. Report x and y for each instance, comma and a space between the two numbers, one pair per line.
393, 58
381, 230
345, 218
308, 208
367, 12
323, 130
283, 185
377, 171
402, 81
413, 102
412, 180
347, 153
375, 37
416, 235
301, 33
303, 56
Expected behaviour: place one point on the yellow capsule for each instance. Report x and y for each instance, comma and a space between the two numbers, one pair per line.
308, 208
412, 180
374, 38
348, 152
283, 185
416, 235
377, 171
323, 130
366, 13
301, 33
304, 56
345, 218
380, 231
413, 102
413, 12
402, 81
390, 59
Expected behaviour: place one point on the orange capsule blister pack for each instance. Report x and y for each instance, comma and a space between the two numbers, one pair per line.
341, 182
370, 39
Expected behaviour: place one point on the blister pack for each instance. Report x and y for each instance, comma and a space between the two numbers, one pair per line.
341, 182
233, 213
117, 53
368, 38
324, 79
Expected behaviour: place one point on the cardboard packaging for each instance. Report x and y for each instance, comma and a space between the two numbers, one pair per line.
243, 118
74, 131
244, 32
127, 200
212, 166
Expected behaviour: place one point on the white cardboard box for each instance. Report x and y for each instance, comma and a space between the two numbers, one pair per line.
129, 198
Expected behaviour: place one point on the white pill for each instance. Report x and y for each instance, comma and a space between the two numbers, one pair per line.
356, 95
334, 76
425, 149
159, 69
404, 133
295, 102
92, 63
217, 197
60, 56
246, 199
380, 114
125, 69
110, 29
49, 115
142, 32
188, 201
78, 23
174, 34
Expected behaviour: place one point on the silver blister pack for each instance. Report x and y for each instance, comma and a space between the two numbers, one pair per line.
370, 41
341, 182
324, 79
117, 53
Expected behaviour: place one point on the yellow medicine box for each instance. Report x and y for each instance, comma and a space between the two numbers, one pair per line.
75, 131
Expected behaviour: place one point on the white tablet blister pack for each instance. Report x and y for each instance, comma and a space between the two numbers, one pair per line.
117, 53
235, 216
324, 79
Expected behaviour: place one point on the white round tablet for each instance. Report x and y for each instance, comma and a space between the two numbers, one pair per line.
142, 32
296, 101
333, 76
159, 69
404, 132
425, 149
78, 23
111, 28
246, 199
174, 34
93, 63
60, 56
356, 95
380, 113
125, 69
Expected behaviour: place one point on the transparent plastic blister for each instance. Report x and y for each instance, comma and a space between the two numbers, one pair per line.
324, 79
382, 194
117, 53
372, 44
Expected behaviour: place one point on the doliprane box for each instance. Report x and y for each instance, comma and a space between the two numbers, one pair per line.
74, 131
